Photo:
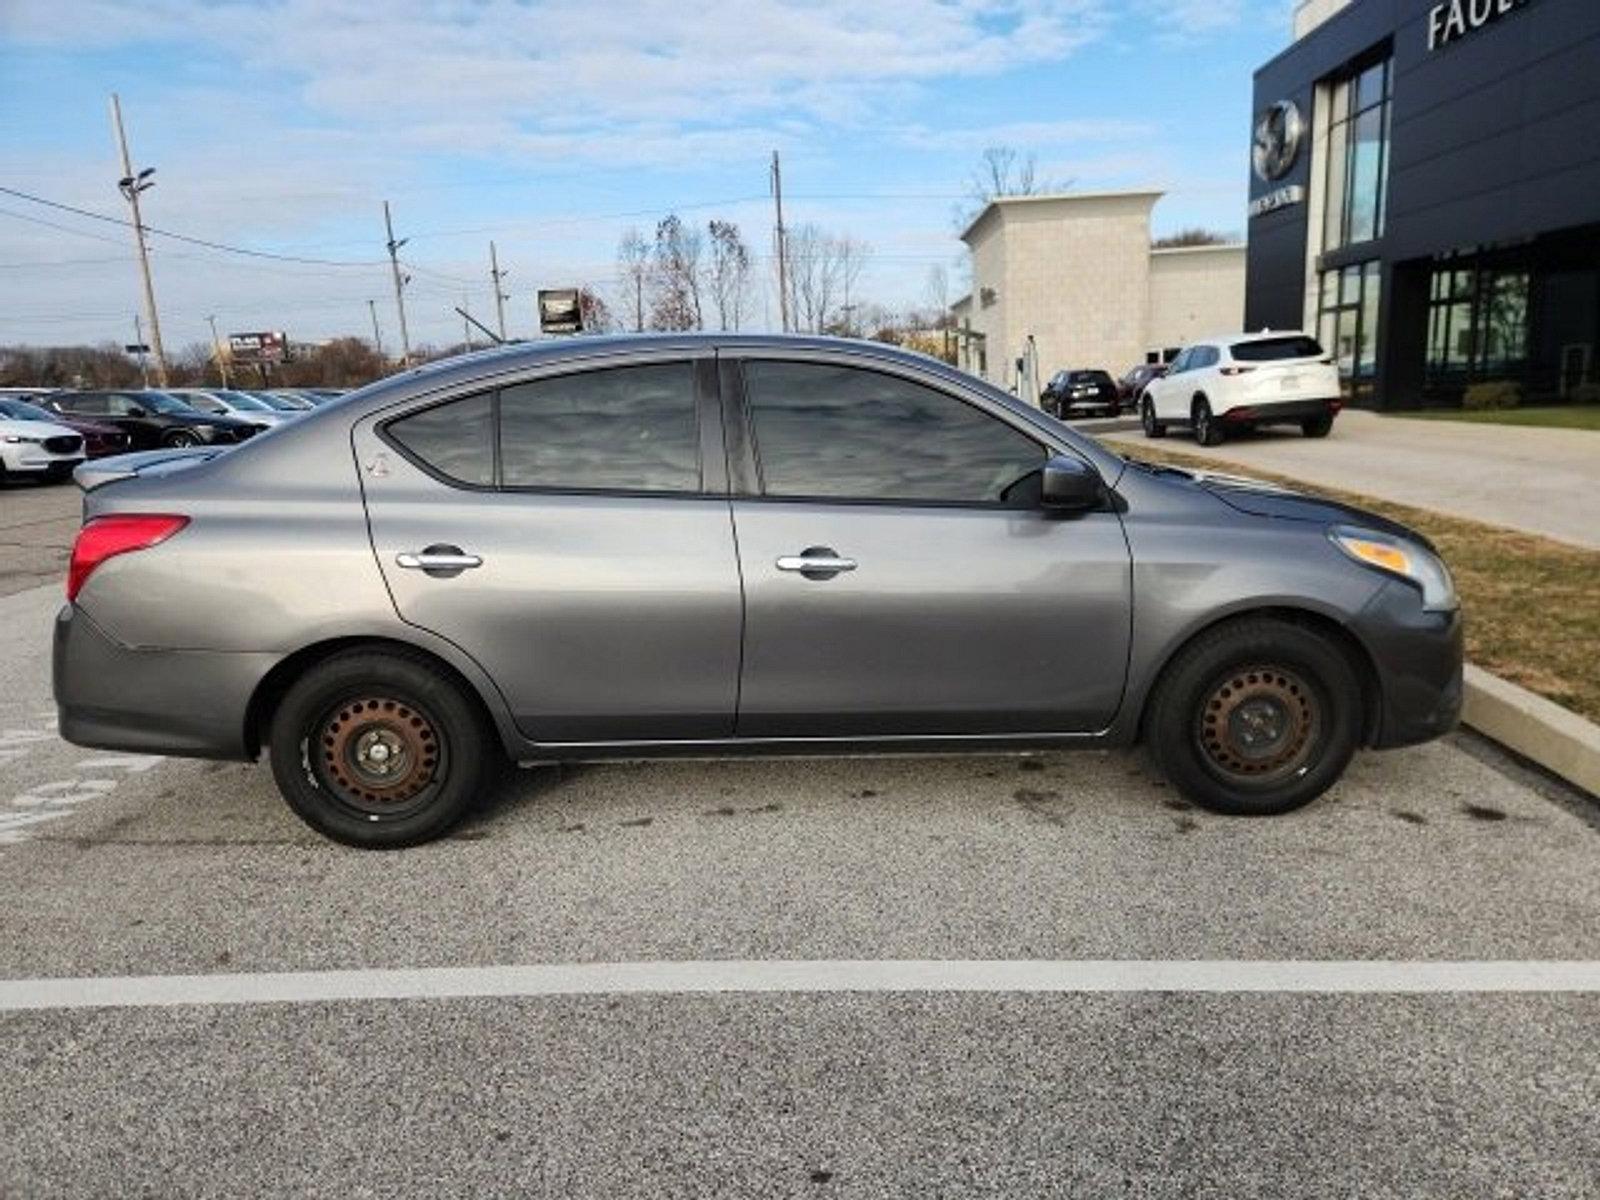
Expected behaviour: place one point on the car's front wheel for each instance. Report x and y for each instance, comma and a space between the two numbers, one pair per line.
381, 749
181, 439
1147, 417
1255, 717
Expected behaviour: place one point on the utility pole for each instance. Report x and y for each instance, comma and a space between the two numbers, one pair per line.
466, 321
377, 337
216, 348
138, 344
130, 185
399, 285
500, 298
783, 270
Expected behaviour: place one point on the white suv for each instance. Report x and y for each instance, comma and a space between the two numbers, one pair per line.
32, 449
1227, 384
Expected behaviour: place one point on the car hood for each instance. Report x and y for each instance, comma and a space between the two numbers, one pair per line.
1259, 498
36, 429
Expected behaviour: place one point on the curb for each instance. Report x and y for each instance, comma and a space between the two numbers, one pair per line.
1543, 732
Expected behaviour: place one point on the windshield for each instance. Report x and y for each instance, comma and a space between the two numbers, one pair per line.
160, 402
21, 410
1276, 349
1089, 377
276, 403
241, 400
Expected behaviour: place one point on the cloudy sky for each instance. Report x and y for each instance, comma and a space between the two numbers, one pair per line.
281, 126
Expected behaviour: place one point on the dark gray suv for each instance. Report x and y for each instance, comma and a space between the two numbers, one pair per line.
628, 547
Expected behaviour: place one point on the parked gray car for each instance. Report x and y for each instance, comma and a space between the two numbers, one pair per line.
642, 546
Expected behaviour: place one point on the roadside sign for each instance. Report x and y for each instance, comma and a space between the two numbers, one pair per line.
258, 347
560, 310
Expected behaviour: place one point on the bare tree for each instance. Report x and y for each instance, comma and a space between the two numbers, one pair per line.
728, 275
633, 272
823, 271
595, 311
1192, 236
1003, 171
675, 277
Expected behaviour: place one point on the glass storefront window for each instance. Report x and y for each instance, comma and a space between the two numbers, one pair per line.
1348, 323
1477, 322
1357, 158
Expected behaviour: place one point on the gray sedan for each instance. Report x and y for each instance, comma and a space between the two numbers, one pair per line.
627, 547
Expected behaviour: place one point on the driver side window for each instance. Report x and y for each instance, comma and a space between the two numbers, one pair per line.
832, 432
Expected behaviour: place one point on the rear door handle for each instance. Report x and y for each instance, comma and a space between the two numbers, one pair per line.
817, 562
438, 558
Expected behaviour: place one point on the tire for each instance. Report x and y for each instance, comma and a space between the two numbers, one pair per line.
324, 741
1113, 411
1317, 427
1256, 717
180, 439
1147, 417
1207, 431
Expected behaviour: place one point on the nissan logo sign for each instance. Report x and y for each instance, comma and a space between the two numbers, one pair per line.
1279, 131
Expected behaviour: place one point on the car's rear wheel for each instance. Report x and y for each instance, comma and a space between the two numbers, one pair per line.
180, 439
1256, 717
1147, 417
1207, 429
1317, 427
381, 749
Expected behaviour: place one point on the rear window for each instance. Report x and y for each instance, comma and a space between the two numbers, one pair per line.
1273, 349
1090, 377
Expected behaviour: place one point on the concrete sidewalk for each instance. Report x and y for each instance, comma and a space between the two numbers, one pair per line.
1544, 481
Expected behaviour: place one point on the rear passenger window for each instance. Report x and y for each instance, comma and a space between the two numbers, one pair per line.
621, 429
455, 440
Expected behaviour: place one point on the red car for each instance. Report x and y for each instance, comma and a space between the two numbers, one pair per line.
99, 440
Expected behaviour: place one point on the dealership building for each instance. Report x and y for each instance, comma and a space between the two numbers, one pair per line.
1425, 194
1072, 281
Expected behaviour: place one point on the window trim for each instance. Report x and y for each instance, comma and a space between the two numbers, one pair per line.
757, 477
700, 381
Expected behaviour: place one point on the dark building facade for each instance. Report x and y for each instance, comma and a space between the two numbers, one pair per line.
1425, 194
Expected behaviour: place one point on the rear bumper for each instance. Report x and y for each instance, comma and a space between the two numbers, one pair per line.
1418, 661
1279, 410
184, 702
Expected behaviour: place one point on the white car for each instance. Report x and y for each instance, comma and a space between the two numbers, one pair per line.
38, 449
1224, 385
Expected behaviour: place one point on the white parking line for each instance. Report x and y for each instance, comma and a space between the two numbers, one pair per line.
684, 978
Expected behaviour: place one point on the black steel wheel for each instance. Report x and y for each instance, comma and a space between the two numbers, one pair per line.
1255, 717
381, 749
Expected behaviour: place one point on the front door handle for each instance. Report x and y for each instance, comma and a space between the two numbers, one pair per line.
816, 562
443, 560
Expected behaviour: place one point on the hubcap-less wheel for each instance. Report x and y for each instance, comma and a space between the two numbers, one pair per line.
1259, 725
377, 754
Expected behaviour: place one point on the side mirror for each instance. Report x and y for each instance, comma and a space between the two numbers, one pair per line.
1070, 485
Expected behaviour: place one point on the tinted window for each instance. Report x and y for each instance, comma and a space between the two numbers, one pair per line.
1273, 349
454, 439
840, 432
627, 428
79, 404
1181, 363
1086, 377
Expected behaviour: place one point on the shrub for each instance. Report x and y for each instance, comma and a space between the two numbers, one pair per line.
1500, 394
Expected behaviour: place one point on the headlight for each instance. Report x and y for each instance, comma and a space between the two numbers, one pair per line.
1402, 557
17, 439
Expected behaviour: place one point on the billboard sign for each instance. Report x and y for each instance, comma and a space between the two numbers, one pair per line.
560, 310
258, 347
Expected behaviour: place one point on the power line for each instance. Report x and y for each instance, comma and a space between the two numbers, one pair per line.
183, 237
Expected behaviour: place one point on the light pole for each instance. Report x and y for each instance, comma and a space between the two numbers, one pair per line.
130, 185
216, 348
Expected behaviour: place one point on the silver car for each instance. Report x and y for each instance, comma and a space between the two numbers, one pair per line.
627, 547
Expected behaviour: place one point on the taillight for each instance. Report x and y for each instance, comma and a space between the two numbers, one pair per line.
120, 533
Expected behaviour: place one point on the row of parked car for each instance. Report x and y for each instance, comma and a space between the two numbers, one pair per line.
45, 433
1213, 388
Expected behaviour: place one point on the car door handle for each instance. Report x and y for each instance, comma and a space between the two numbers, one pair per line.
438, 559
819, 562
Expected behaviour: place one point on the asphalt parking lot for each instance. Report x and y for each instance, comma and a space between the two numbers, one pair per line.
114, 866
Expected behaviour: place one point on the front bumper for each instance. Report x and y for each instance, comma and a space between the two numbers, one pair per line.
1417, 657
110, 696
33, 461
